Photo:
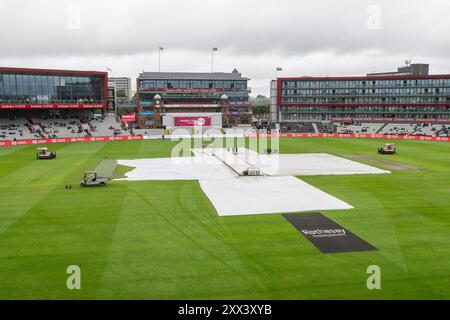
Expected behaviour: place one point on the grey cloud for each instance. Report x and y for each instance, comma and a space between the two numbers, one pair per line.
314, 37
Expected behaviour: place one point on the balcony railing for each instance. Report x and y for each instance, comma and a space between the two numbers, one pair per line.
80, 101
183, 90
29, 102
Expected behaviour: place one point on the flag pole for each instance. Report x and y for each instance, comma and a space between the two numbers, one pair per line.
276, 72
159, 57
212, 58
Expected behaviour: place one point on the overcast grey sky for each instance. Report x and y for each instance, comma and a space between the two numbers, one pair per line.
312, 37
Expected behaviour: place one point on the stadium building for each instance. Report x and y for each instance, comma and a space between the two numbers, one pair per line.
122, 84
50, 104
408, 95
170, 100
112, 96
414, 69
51, 91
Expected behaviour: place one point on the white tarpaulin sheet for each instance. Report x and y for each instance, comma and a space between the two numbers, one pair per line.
256, 195
311, 164
186, 168
278, 192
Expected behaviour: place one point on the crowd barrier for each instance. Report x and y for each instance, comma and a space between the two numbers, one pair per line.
281, 135
348, 135
66, 140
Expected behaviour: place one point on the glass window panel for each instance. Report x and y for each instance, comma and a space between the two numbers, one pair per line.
12, 86
1, 87
20, 90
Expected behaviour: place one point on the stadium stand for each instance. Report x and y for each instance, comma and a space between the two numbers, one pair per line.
56, 128
436, 130
36, 128
304, 127
299, 127
358, 127
16, 130
416, 129
400, 128
30, 126
108, 126
321, 128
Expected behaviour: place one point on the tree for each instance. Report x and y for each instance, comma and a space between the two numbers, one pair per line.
121, 93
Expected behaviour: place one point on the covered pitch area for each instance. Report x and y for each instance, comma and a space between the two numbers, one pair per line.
220, 172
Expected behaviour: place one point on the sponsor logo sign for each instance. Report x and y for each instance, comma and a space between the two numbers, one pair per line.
327, 235
51, 106
349, 120
146, 113
192, 121
67, 140
244, 103
192, 105
346, 135
190, 90
131, 117
283, 135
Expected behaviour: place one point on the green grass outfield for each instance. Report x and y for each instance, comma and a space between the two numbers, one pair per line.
163, 240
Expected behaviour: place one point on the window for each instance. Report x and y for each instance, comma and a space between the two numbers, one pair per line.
1, 86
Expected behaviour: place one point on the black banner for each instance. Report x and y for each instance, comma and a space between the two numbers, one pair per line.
327, 235
197, 310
